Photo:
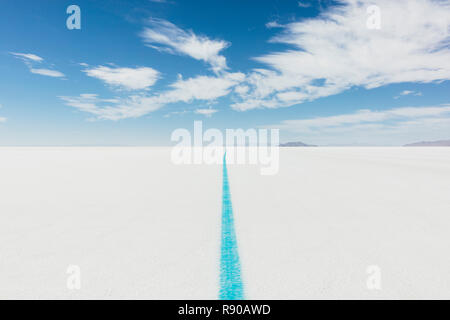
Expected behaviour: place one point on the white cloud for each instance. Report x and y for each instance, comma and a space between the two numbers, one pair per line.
165, 36
28, 56
206, 112
113, 109
409, 92
365, 116
302, 4
127, 78
273, 24
47, 72
336, 51
327, 56
31, 59
241, 89
394, 126
199, 88
202, 87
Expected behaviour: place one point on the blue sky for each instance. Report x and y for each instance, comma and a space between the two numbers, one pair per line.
137, 70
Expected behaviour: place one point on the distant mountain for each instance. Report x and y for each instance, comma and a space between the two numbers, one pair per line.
296, 144
440, 143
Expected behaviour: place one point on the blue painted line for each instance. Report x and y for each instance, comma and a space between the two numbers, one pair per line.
231, 287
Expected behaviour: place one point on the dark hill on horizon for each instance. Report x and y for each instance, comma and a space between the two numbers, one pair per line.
439, 143
296, 144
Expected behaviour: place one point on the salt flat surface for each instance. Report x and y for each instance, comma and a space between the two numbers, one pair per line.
139, 226
312, 230
136, 225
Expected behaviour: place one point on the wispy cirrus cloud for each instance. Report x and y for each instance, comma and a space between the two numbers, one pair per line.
133, 106
396, 126
31, 60
337, 51
206, 112
126, 78
303, 4
408, 93
273, 24
164, 35
27, 56
327, 55
175, 40
201, 88
47, 72
365, 116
